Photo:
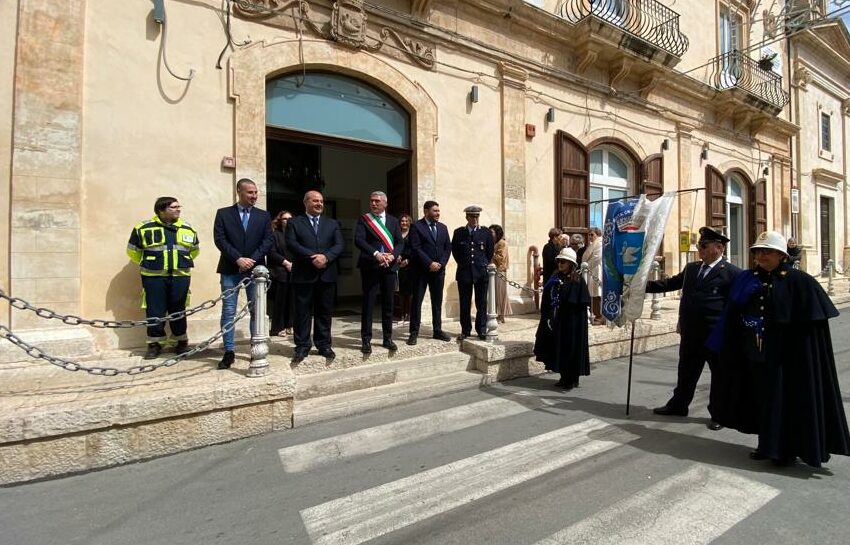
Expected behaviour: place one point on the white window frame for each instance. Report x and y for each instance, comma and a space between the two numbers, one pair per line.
742, 236
824, 153
607, 182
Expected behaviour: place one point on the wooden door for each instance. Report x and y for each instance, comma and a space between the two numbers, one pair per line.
825, 232
399, 198
652, 177
715, 197
572, 184
758, 210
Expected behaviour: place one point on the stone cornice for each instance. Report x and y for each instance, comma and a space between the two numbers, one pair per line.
828, 176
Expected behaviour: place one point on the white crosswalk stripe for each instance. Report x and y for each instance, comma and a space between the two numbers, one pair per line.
692, 507
380, 438
377, 511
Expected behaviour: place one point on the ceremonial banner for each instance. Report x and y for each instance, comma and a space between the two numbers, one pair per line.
633, 230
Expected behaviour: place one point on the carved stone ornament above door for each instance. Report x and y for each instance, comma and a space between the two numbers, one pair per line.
347, 26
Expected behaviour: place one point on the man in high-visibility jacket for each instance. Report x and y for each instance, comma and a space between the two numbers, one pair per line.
164, 247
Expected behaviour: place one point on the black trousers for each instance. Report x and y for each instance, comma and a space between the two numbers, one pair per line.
164, 295
692, 358
282, 306
465, 290
373, 281
314, 302
433, 282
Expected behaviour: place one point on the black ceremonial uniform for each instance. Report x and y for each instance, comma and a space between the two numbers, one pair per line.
699, 311
473, 251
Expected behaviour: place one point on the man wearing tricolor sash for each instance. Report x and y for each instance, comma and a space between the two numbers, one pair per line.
378, 237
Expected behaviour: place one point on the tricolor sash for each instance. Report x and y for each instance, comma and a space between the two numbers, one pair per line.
377, 226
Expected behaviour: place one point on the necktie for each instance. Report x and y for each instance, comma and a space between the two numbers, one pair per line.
245, 219
315, 220
433, 231
702, 272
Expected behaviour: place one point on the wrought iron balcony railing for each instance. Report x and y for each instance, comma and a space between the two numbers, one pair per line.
647, 20
735, 69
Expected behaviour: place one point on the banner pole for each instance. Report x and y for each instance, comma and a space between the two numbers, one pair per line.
631, 358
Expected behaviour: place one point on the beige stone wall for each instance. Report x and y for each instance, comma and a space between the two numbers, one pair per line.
46, 157
8, 28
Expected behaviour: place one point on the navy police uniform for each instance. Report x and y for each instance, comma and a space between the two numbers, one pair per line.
472, 249
700, 308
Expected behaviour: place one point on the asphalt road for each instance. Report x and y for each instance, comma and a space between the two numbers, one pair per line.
516, 463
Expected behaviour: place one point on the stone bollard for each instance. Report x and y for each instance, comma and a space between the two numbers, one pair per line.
492, 323
584, 271
656, 304
259, 366
830, 271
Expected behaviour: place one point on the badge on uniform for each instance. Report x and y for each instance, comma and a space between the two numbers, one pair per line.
188, 238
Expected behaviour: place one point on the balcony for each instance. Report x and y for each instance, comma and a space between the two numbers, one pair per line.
644, 27
736, 74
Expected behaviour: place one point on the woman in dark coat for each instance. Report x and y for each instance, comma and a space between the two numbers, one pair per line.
561, 341
282, 307
405, 279
776, 372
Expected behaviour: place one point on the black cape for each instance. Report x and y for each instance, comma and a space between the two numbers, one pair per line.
561, 342
791, 398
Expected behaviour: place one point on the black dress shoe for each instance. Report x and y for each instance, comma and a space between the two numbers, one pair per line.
300, 355
412, 339
227, 360
153, 351
389, 345
182, 347
756, 455
327, 353
667, 410
366, 347
714, 426
482, 337
441, 336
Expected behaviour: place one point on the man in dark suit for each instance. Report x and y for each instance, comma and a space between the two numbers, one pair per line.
315, 243
430, 251
472, 248
705, 287
378, 237
243, 234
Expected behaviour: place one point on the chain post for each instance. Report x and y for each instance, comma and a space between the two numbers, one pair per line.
259, 365
655, 269
830, 271
492, 323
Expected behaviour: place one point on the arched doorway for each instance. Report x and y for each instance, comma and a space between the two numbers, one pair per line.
344, 137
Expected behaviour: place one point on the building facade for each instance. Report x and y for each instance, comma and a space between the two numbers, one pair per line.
536, 110
820, 88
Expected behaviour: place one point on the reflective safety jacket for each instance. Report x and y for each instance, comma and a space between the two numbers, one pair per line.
160, 249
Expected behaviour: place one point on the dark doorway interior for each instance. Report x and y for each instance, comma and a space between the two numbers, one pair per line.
346, 173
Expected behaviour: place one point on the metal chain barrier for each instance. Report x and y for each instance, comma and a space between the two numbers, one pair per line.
517, 285
70, 319
526, 289
68, 365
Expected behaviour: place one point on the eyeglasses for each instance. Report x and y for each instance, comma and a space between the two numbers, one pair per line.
286, 218
704, 244
175, 207
761, 250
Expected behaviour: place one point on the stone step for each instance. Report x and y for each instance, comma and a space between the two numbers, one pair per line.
380, 374
319, 409
66, 342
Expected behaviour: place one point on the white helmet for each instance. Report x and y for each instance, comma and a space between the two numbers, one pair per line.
567, 254
771, 240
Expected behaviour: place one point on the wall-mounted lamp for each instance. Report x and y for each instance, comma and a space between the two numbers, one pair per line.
550, 115
473, 94
765, 171
665, 144
704, 154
